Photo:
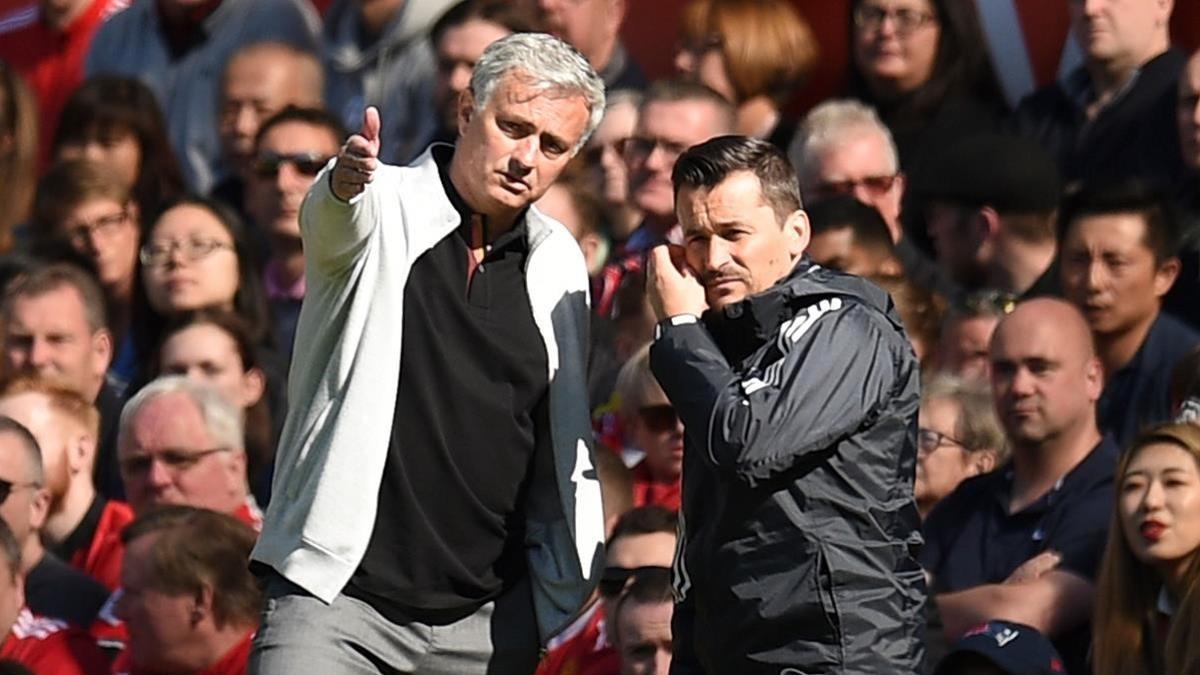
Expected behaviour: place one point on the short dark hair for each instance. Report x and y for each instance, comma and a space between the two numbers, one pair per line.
511, 15
842, 212
647, 519
198, 547
708, 164
317, 117
1163, 229
646, 589
41, 279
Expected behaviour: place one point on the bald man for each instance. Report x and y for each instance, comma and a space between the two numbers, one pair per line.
1023, 543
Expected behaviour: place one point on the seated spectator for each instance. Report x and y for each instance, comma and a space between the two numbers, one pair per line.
852, 237
641, 544
594, 29
1022, 543
605, 164
641, 626
82, 527
260, 80
39, 644
54, 326
87, 207
291, 147
189, 600
967, 333
1113, 117
214, 347
1001, 648
1119, 259
571, 202
992, 202
651, 424
52, 588
181, 443
18, 162
755, 53
1181, 300
180, 48
117, 123
959, 437
1146, 598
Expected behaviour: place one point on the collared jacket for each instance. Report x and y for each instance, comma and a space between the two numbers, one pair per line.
346, 370
798, 528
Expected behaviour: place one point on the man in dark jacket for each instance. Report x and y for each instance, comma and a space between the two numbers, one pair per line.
798, 392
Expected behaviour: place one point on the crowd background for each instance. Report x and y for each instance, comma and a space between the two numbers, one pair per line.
1022, 176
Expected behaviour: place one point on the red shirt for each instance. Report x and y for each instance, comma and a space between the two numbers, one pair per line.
51, 61
232, 663
649, 490
582, 649
50, 646
101, 560
249, 513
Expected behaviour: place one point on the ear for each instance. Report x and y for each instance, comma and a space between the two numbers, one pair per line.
1165, 275
39, 508
254, 384
1094, 378
81, 454
982, 461
102, 349
203, 605
890, 267
135, 213
798, 233
616, 15
987, 223
466, 110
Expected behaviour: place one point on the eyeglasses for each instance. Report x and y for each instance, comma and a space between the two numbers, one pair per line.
7, 487
876, 186
929, 440
640, 147
174, 460
80, 234
871, 17
658, 418
158, 254
594, 153
267, 164
614, 580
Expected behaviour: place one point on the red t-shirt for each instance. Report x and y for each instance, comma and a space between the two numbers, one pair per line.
582, 649
649, 490
232, 663
51, 646
51, 61
101, 560
250, 514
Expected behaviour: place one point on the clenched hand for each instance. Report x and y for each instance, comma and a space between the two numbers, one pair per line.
358, 159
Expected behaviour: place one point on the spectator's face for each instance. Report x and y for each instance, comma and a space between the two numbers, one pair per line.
897, 51
57, 436
838, 250
48, 334
604, 152
631, 551
645, 630
25, 508
1159, 503
105, 231
161, 628
200, 268
117, 150
734, 240
963, 348
208, 354
588, 25
1189, 113
456, 53
957, 236
657, 431
1119, 30
664, 130
288, 159
942, 461
859, 165
169, 457
706, 64
255, 87
517, 145
1110, 273
559, 205
1044, 381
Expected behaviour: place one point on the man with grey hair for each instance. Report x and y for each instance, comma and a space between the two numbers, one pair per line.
436, 509
180, 442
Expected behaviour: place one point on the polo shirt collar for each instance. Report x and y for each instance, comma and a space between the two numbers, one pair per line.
1095, 469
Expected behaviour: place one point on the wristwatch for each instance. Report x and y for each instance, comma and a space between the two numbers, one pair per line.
677, 320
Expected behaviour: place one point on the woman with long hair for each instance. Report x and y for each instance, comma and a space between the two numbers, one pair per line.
1147, 614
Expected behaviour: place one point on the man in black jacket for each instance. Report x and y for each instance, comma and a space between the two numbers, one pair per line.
799, 394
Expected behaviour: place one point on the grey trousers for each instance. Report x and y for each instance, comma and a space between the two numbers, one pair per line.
300, 634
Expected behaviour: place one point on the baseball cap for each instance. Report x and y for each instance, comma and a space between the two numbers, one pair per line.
1015, 648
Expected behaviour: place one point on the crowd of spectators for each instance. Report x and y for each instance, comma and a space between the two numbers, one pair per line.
1043, 254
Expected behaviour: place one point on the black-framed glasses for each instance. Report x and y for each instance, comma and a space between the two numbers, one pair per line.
267, 164
614, 580
929, 440
173, 460
81, 233
658, 418
158, 253
871, 17
7, 487
875, 185
641, 147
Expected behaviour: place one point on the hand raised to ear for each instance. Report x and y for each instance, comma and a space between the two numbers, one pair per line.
358, 159
671, 285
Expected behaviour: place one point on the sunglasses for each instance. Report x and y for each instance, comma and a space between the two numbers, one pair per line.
658, 418
7, 487
875, 185
267, 164
614, 580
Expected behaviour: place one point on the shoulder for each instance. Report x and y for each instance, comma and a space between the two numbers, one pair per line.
966, 502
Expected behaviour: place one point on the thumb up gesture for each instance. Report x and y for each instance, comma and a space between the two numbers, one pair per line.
358, 159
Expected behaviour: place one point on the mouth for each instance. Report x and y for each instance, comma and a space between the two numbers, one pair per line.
1152, 530
514, 184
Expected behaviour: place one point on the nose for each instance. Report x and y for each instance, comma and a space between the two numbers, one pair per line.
684, 62
157, 476
526, 151
1021, 384
1152, 500
40, 354
1095, 275
717, 254
459, 78
246, 122
288, 177
656, 159
92, 152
